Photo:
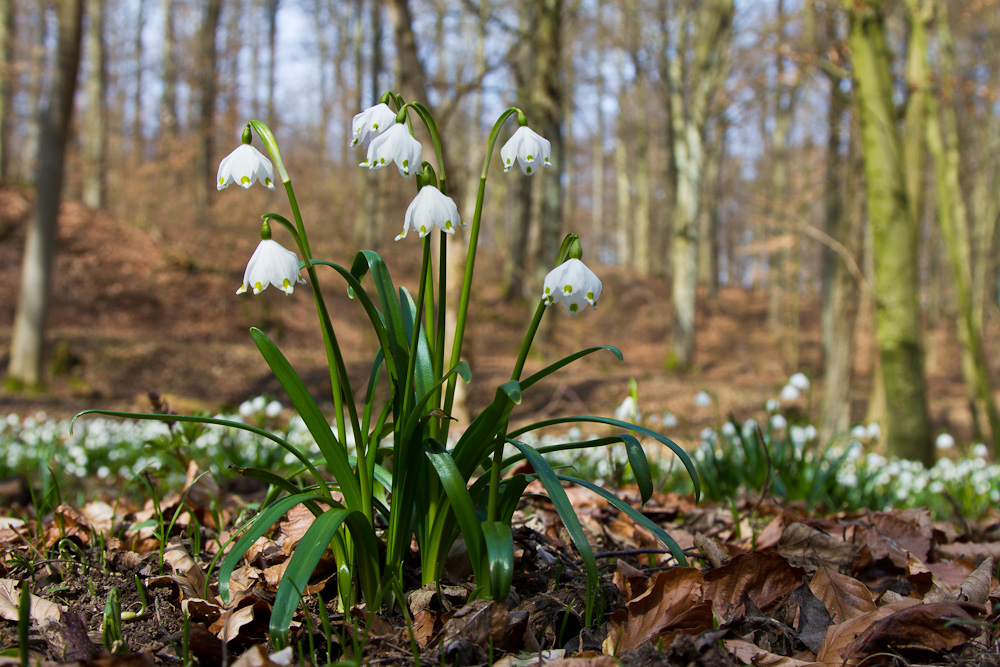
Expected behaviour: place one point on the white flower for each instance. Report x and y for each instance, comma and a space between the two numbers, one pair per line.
859, 432
271, 264
980, 451
669, 419
799, 381
258, 403
528, 148
944, 441
428, 209
394, 145
702, 399
772, 405
729, 429
874, 431
273, 409
246, 409
243, 166
573, 284
789, 393
373, 120
778, 422
627, 411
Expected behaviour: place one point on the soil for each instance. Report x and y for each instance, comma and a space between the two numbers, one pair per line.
138, 307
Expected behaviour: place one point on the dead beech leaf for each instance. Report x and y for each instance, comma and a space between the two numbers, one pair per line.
542, 658
896, 535
971, 550
748, 653
186, 572
294, 527
840, 636
765, 577
628, 579
585, 661
40, 609
476, 622
802, 543
976, 587
845, 597
670, 602
924, 626
100, 516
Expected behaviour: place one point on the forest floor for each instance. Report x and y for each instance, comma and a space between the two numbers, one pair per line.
136, 308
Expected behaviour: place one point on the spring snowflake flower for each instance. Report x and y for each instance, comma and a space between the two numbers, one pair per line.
271, 264
702, 399
772, 405
778, 422
273, 409
980, 451
627, 411
243, 166
944, 441
373, 120
799, 381
573, 284
729, 430
528, 148
789, 392
874, 431
394, 145
669, 419
428, 209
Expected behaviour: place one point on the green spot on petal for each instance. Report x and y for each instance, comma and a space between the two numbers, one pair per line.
267, 181
423, 229
381, 160
573, 307
245, 180
257, 286
547, 290
590, 296
530, 159
222, 180
568, 289
406, 163
285, 283
529, 170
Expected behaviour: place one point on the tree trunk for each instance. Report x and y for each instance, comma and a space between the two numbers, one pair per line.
6, 75
272, 53
27, 346
690, 87
138, 143
895, 238
168, 103
942, 141
96, 128
204, 168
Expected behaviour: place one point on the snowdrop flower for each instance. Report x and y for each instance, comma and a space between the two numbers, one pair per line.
373, 120
246, 409
627, 411
243, 166
798, 436
810, 432
669, 419
799, 381
574, 433
394, 145
944, 441
980, 451
428, 209
859, 432
778, 422
772, 405
702, 399
528, 148
729, 429
271, 264
573, 284
273, 409
708, 435
259, 403
874, 431
789, 393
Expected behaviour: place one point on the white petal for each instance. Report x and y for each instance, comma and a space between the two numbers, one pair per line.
372, 121
271, 264
394, 145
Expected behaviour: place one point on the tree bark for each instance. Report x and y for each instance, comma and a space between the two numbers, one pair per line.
204, 168
895, 238
168, 103
27, 346
96, 129
6, 76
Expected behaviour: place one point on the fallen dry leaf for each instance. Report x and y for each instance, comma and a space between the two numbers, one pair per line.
845, 597
672, 601
765, 577
896, 535
938, 626
749, 653
804, 544
186, 572
39, 609
842, 635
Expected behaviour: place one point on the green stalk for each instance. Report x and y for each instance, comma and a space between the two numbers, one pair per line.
495, 468
470, 265
335, 360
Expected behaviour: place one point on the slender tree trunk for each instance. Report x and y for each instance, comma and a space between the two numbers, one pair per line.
27, 346
138, 143
272, 57
30, 148
6, 76
204, 168
942, 140
895, 239
96, 130
168, 103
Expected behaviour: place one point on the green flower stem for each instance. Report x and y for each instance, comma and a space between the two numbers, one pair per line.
335, 360
470, 265
439, 327
495, 469
408, 399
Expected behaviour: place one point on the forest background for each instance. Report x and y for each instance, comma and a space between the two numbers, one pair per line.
819, 177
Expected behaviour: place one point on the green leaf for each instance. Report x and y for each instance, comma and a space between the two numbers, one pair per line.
307, 554
423, 370
253, 531
478, 439
500, 553
333, 451
633, 514
461, 502
662, 439
366, 261
552, 368
568, 515
640, 466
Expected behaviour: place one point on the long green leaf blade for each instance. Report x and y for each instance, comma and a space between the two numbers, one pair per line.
500, 555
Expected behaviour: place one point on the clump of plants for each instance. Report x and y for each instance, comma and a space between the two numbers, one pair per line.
406, 471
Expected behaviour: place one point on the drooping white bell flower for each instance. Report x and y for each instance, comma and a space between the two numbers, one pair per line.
790, 393
800, 381
428, 209
243, 166
372, 121
394, 145
702, 399
271, 264
528, 148
573, 284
